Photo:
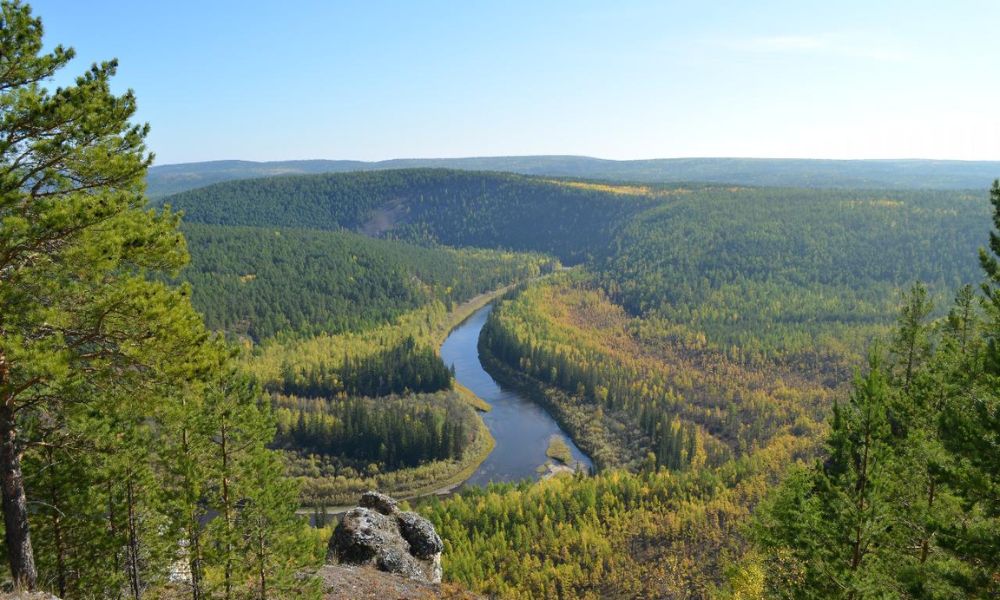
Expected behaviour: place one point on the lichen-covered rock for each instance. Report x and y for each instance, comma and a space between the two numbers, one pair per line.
361, 534
378, 534
380, 502
351, 582
419, 532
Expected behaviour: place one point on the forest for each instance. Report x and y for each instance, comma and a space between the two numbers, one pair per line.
382, 431
331, 320
429, 206
259, 282
708, 333
164, 180
888, 487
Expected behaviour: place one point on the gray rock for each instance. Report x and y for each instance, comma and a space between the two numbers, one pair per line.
419, 532
380, 502
377, 534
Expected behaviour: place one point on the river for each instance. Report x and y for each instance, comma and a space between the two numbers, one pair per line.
521, 428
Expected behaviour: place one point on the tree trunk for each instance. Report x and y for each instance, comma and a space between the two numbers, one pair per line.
135, 582
227, 515
15, 504
57, 534
194, 562
925, 543
262, 563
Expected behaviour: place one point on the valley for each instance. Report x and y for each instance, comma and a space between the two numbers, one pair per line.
719, 375
693, 354
688, 361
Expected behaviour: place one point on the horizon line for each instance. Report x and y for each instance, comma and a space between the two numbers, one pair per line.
575, 156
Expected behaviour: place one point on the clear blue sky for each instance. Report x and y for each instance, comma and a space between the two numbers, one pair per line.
376, 79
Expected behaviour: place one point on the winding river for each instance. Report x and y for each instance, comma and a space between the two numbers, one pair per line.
521, 428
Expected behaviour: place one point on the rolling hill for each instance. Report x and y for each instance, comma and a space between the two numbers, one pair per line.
164, 180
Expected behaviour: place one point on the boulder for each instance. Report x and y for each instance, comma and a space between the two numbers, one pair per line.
379, 535
380, 502
420, 534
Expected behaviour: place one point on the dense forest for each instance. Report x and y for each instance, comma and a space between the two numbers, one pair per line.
391, 431
259, 282
792, 274
709, 326
899, 500
455, 208
699, 348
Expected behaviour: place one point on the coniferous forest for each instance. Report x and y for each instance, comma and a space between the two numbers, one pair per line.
786, 392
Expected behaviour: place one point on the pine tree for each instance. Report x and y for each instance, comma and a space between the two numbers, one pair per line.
254, 504
77, 310
911, 480
835, 526
910, 344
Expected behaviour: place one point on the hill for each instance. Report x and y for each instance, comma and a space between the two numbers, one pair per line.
455, 208
258, 282
164, 180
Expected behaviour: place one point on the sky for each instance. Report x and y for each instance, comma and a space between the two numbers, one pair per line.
377, 79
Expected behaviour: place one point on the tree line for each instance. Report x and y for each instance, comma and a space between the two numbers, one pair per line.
404, 367
391, 432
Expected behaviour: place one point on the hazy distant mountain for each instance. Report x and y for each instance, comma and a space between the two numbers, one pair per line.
897, 174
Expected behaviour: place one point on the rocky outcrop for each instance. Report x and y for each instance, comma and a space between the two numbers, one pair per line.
348, 582
378, 534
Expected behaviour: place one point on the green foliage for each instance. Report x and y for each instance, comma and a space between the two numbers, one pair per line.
250, 547
77, 315
906, 503
104, 368
801, 276
456, 208
391, 432
261, 282
838, 532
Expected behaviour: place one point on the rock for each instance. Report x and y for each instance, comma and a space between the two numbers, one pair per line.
380, 502
419, 532
362, 534
380, 535
349, 582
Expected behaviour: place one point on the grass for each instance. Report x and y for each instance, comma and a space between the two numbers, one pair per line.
559, 450
472, 399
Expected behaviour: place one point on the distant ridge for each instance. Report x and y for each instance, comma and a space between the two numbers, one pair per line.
814, 173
